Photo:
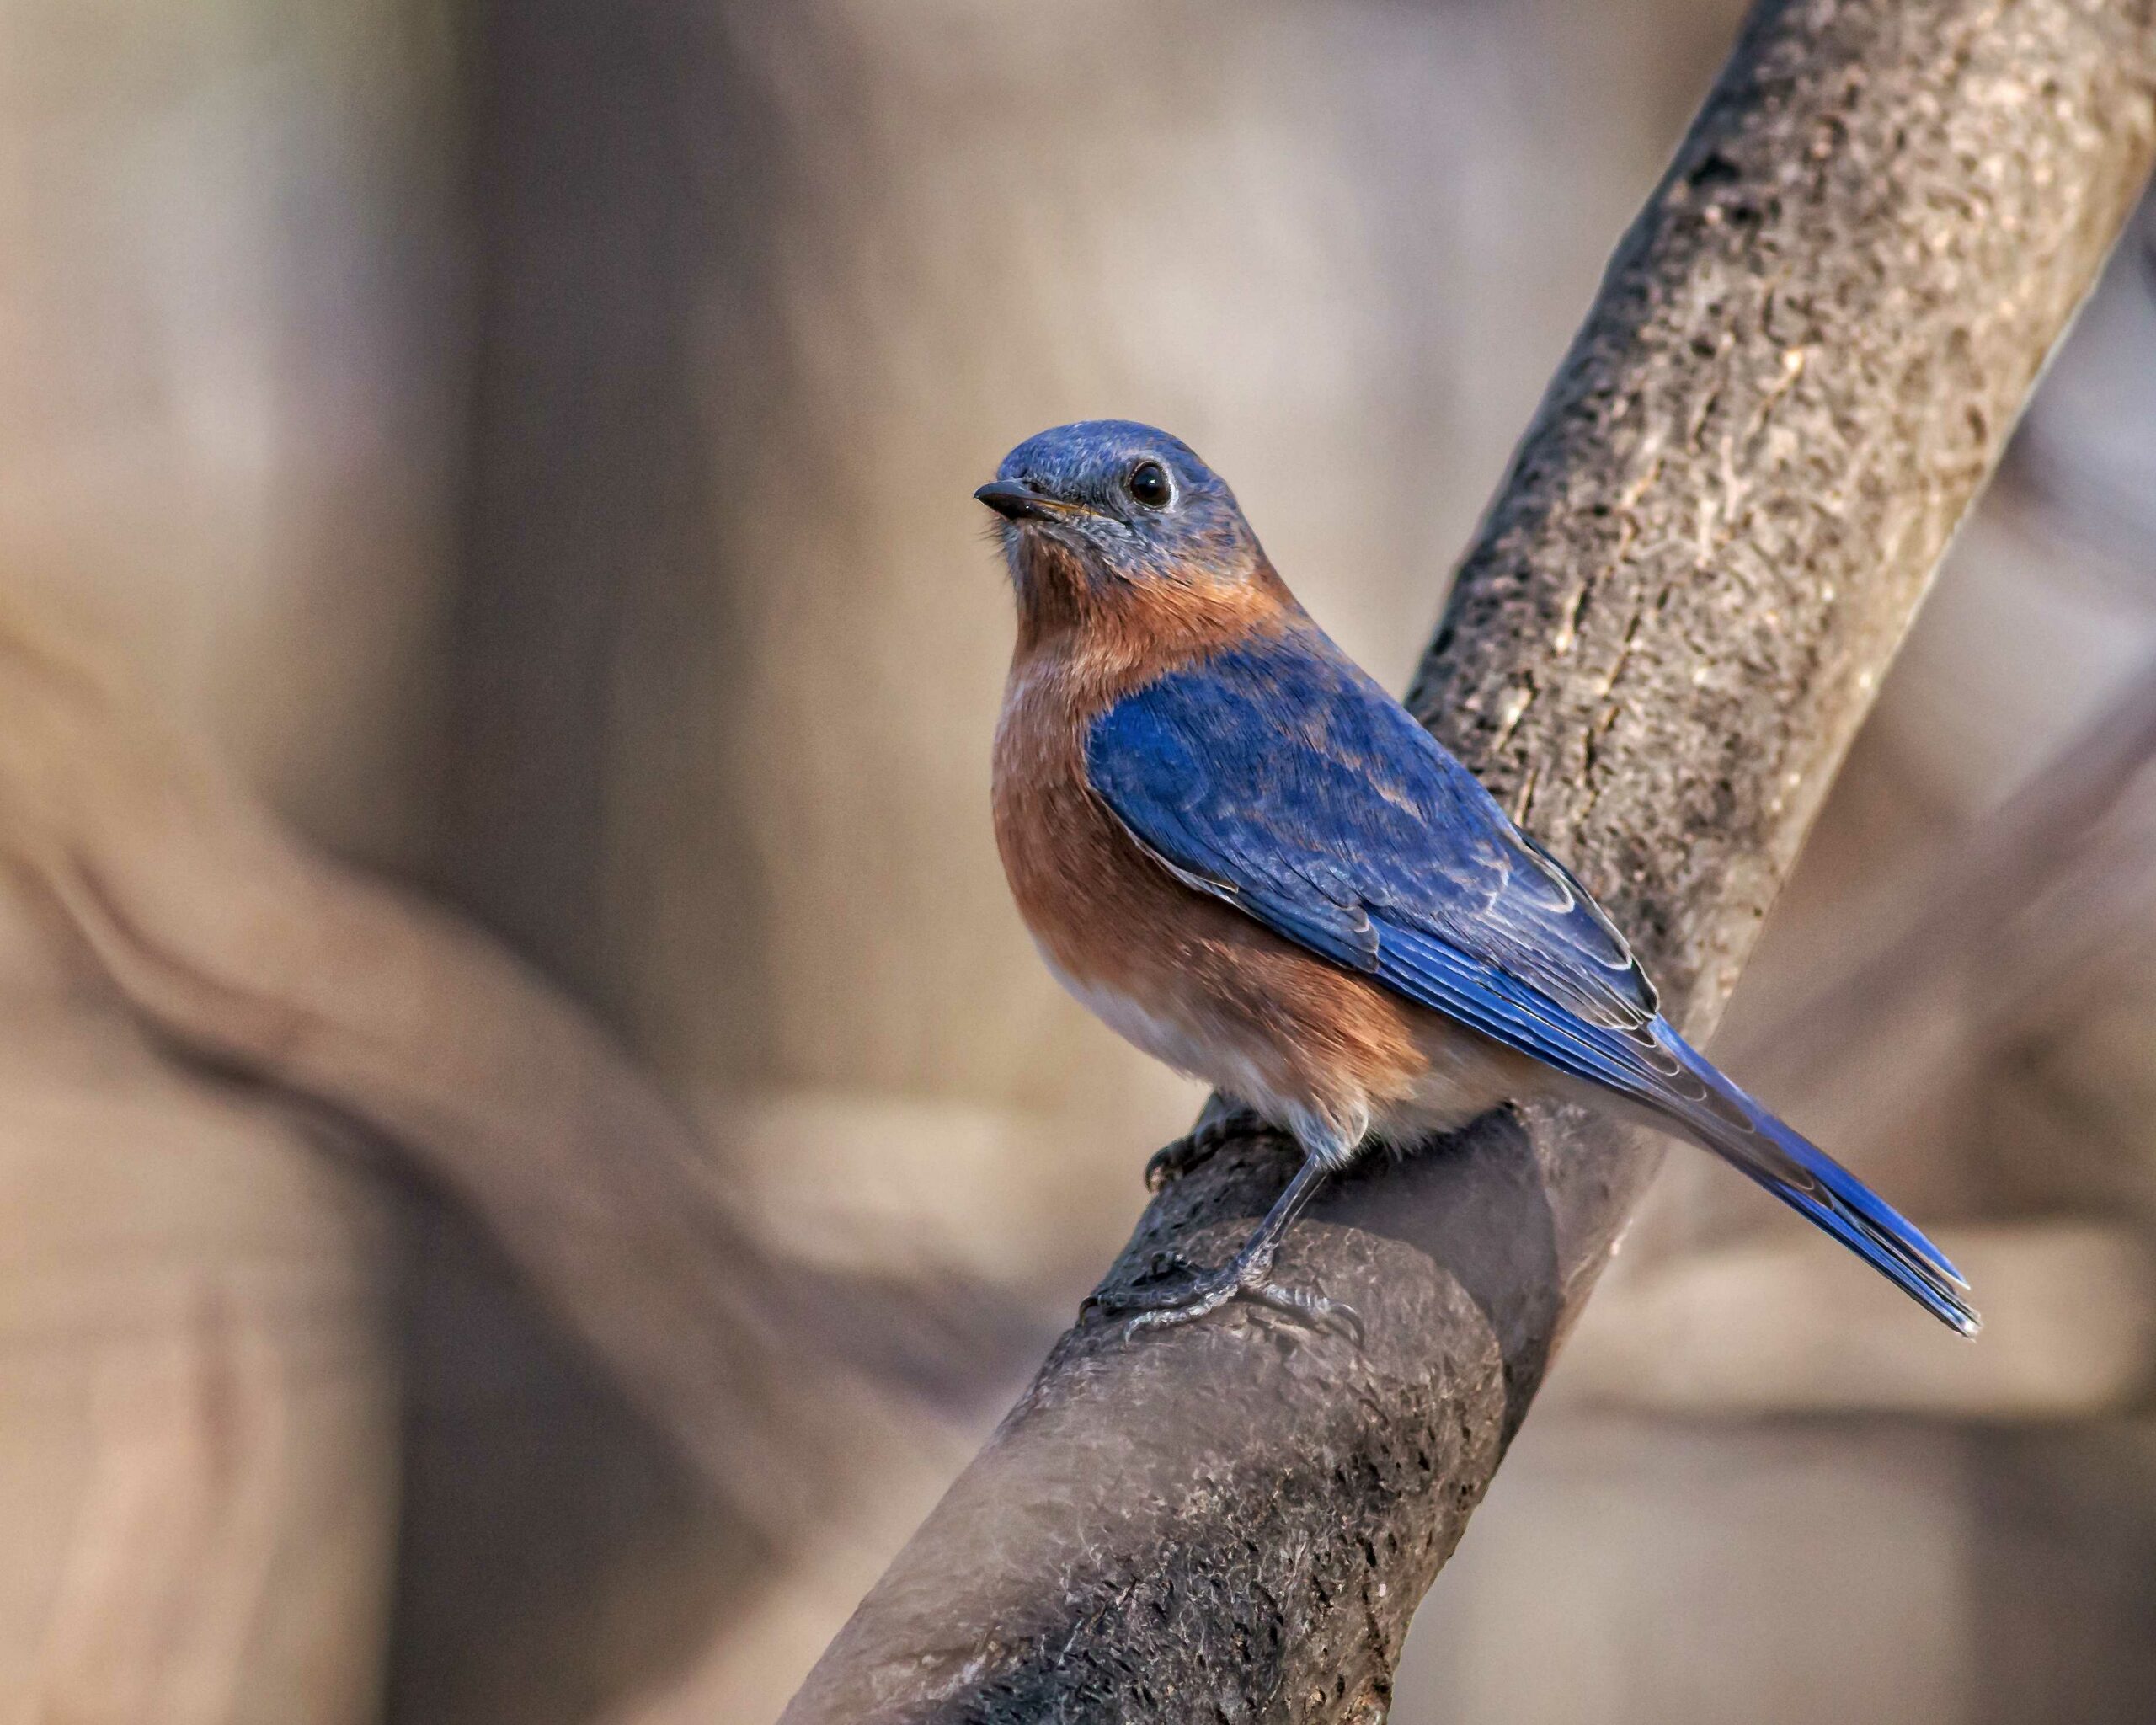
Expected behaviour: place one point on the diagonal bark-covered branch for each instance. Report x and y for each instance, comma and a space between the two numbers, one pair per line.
1802, 364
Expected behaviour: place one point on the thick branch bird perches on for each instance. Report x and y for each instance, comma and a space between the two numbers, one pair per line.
1803, 362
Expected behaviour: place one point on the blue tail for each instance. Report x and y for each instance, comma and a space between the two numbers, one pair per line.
1816, 1186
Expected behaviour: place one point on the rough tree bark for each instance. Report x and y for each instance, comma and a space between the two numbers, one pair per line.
1804, 360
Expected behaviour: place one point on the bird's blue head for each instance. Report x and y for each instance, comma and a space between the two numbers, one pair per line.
1109, 503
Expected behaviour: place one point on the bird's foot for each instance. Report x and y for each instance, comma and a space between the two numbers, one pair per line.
1171, 1162
1246, 1277
1218, 1127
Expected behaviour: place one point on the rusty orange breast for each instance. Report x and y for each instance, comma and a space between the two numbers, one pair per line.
1187, 978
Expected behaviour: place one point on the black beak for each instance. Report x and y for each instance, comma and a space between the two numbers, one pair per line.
1017, 502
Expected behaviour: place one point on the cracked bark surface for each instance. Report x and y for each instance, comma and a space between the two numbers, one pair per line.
1802, 364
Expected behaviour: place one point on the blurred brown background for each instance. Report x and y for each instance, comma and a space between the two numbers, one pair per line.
529, 448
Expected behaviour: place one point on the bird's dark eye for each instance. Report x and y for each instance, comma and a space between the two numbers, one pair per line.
1149, 484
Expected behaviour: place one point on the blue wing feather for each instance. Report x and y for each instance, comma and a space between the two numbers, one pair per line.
1285, 777
1281, 778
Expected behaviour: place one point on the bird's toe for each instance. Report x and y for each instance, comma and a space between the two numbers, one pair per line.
1208, 1291
1218, 1127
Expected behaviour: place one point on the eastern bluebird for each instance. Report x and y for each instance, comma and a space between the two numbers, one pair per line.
1248, 859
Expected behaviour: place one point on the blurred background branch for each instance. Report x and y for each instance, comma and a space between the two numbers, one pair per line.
229, 939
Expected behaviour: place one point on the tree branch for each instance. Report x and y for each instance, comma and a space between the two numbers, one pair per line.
1802, 364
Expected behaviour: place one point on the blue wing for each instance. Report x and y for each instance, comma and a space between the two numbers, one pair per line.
1280, 778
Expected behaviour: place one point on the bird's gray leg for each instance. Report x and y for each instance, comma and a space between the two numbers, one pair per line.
1247, 1275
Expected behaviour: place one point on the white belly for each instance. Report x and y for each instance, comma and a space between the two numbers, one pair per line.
1467, 1075
1192, 1046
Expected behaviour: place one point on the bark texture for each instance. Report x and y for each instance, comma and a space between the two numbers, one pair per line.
1805, 360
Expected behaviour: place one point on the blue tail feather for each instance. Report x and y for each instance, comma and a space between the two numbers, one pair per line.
1820, 1189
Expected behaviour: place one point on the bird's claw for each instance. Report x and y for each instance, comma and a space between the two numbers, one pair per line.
1209, 1291
1313, 1309
1167, 1262
1216, 1129
1171, 1162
